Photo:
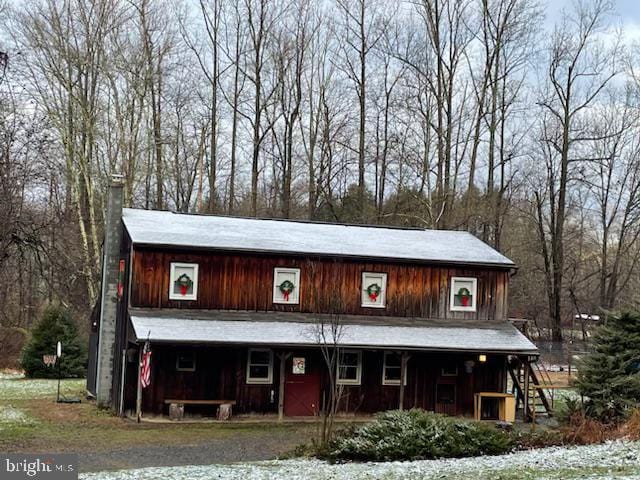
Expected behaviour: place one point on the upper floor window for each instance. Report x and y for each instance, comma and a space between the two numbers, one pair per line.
260, 366
374, 289
286, 285
349, 367
183, 282
463, 294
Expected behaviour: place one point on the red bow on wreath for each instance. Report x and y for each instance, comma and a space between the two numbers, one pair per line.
185, 283
465, 296
373, 291
286, 288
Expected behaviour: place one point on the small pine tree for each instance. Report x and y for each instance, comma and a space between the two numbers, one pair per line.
610, 376
56, 325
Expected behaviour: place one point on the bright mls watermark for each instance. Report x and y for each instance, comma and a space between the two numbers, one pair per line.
38, 466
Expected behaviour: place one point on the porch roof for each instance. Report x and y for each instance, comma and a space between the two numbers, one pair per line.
298, 329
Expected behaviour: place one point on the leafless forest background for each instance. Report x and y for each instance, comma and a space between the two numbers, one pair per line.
459, 114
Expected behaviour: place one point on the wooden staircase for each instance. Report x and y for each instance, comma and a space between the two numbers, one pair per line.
532, 387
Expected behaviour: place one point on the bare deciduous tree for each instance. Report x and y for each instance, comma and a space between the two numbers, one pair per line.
579, 67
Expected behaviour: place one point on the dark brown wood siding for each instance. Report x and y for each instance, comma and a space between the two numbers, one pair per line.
221, 375
424, 376
245, 282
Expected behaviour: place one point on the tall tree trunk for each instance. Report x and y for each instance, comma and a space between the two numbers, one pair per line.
362, 96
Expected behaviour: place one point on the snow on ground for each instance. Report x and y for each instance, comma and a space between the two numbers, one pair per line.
614, 460
14, 386
10, 414
567, 393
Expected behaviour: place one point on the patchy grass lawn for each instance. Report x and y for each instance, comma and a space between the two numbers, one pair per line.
31, 420
15, 387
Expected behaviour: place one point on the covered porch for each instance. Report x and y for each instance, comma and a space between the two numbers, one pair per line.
273, 364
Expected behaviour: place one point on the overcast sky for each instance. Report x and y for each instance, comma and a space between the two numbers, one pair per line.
627, 10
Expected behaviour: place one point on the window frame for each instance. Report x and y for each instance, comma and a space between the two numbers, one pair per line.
452, 368
474, 295
383, 295
386, 381
259, 381
172, 279
193, 360
296, 291
358, 379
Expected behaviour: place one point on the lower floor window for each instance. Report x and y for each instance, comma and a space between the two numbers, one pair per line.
392, 369
349, 367
186, 362
260, 366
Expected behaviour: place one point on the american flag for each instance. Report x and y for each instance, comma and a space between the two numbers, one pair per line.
145, 366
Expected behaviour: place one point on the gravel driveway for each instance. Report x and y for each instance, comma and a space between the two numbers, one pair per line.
239, 446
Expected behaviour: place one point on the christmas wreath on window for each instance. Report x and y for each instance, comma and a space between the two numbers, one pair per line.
465, 297
286, 288
374, 291
184, 283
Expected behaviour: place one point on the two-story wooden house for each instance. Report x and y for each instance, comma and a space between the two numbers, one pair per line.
234, 308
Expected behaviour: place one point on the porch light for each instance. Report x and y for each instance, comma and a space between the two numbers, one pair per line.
482, 358
468, 366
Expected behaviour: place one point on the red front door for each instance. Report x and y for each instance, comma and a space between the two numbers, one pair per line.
301, 392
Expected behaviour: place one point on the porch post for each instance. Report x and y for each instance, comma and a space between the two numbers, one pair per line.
139, 390
525, 393
404, 359
283, 358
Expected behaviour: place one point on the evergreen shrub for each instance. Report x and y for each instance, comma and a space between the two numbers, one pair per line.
415, 435
609, 376
56, 325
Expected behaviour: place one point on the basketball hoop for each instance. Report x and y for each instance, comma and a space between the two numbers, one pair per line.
49, 360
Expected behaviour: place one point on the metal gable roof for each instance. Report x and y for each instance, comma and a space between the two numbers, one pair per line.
290, 329
161, 228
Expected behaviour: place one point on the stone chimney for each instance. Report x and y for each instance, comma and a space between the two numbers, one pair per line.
109, 292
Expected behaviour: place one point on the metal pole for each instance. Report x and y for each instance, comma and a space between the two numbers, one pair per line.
58, 395
59, 358
139, 392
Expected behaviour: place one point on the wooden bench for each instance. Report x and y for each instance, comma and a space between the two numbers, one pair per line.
176, 407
